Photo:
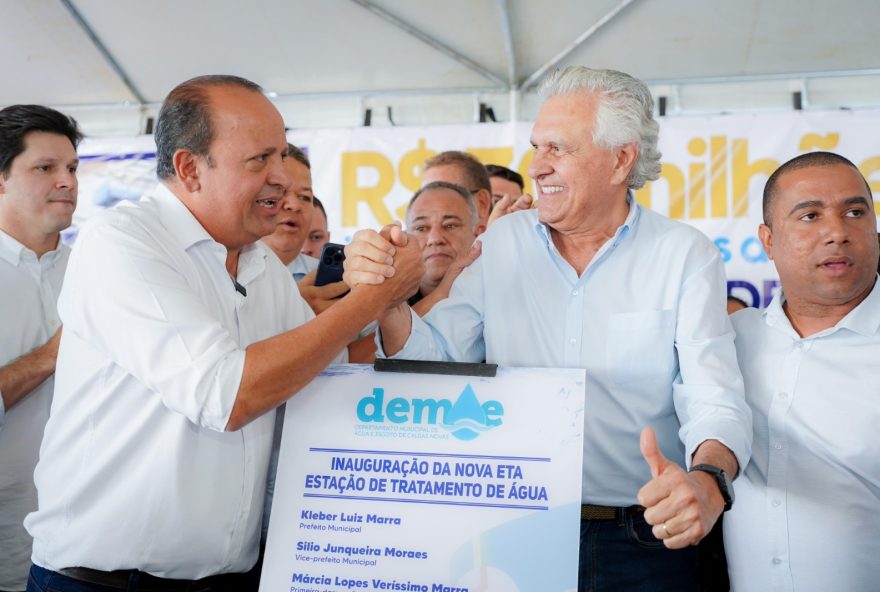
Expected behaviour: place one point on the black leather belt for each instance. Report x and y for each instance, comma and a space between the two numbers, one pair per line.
594, 512
121, 579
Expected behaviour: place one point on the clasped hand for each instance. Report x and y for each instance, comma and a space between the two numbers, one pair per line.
389, 258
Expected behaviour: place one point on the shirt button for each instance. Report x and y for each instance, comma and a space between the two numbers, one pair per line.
777, 561
776, 503
783, 395
777, 446
574, 293
572, 341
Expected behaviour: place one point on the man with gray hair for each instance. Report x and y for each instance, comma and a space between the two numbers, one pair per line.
634, 298
182, 335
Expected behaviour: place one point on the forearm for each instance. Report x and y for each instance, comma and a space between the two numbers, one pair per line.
21, 377
278, 367
394, 329
363, 351
713, 452
424, 306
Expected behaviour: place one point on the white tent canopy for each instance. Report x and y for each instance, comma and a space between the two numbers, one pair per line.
326, 62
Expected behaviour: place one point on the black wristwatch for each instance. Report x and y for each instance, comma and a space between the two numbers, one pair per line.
725, 486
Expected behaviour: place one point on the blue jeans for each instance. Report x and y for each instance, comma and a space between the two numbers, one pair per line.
44, 580
624, 556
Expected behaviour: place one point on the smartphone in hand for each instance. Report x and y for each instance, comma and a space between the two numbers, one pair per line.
330, 264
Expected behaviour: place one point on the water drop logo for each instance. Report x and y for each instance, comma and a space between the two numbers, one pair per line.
467, 419
464, 419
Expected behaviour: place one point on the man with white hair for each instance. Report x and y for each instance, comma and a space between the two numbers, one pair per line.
600, 283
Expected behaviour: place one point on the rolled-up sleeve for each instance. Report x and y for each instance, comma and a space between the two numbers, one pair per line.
149, 314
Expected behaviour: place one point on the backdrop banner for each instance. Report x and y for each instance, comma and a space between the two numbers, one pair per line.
429, 483
714, 170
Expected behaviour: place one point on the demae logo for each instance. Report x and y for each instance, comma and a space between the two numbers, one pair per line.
465, 419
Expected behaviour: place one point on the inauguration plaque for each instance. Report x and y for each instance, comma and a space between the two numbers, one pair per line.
429, 483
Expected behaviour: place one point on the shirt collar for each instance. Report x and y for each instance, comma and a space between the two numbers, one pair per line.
183, 225
863, 319
13, 251
632, 218
177, 218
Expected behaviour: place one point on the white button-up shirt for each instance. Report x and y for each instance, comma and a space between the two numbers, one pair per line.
646, 319
136, 470
807, 511
29, 289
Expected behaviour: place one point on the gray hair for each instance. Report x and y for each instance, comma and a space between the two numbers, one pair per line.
625, 114
466, 195
185, 120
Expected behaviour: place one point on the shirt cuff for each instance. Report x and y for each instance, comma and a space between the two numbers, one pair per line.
417, 330
730, 435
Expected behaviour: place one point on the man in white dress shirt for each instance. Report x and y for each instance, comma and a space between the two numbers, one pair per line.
182, 334
807, 515
37, 198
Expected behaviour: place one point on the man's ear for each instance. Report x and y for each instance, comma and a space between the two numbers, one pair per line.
186, 169
766, 236
483, 198
626, 160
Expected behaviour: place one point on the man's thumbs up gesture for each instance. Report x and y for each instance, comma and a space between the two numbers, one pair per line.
681, 506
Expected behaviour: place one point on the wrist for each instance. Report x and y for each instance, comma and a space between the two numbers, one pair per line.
716, 479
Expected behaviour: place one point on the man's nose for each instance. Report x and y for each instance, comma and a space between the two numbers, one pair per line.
436, 236
836, 229
66, 179
279, 176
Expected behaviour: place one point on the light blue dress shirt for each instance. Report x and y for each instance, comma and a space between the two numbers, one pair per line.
646, 319
302, 266
807, 511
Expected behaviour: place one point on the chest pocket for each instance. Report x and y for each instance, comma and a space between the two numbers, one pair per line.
641, 346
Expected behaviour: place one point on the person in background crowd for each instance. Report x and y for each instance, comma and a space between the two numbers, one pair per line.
504, 182
464, 170
806, 518
663, 390
294, 220
443, 218
295, 217
182, 334
38, 191
318, 233
507, 192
